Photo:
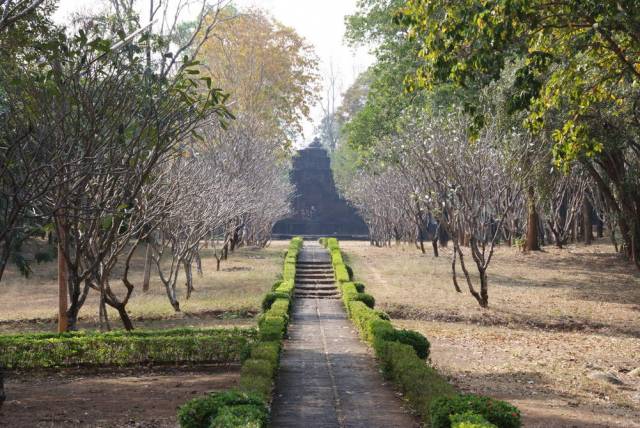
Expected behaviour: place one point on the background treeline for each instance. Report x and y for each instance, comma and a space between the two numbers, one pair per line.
487, 122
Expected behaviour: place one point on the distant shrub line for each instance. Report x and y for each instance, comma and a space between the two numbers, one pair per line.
402, 355
248, 405
120, 348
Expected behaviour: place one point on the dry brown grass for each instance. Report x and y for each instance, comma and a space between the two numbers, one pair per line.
554, 317
238, 287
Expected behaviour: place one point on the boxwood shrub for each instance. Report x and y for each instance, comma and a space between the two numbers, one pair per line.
499, 413
271, 297
359, 287
202, 411
417, 341
469, 420
241, 416
367, 299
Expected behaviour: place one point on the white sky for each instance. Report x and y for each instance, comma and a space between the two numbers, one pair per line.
321, 22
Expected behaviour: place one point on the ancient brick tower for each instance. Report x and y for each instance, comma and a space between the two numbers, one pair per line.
318, 210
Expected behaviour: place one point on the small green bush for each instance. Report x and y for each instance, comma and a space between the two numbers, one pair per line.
271, 328
409, 337
359, 287
286, 287
201, 411
367, 299
499, 413
241, 416
275, 285
269, 351
469, 420
383, 315
349, 272
259, 385
341, 272
254, 368
271, 297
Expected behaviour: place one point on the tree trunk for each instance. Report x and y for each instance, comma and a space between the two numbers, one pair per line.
484, 289
63, 324
124, 316
421, 240
147, 268
600, 228
532, 243
587, 226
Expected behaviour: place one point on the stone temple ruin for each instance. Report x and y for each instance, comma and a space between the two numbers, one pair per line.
318, 210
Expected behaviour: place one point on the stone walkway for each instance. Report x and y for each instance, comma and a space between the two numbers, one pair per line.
328, 377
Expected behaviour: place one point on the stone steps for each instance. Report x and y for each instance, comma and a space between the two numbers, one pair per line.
315, 280
306, 287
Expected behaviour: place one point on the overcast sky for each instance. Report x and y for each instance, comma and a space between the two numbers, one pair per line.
321, 22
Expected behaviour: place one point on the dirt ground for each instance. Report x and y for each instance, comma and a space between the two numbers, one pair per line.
140, 397
559, 340
235, 292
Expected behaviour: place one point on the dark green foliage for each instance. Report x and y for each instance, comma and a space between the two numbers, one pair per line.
271, 328
200, 412
124, 348
275, 285
341, 272
367, 299
359, 287
241, 416
258, 368
269, 351
383, 315
416, 340
349, 272
469, 420
269, 298
500, 413
259, 385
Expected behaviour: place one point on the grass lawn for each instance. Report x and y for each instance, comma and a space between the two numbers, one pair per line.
556, 319
227, 297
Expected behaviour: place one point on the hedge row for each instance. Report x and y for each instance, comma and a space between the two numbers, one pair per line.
402, 354
248, 406
36, 350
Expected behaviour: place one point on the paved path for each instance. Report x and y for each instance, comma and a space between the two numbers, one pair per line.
328, 377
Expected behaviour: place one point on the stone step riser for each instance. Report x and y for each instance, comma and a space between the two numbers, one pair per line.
320, 265
312, 283
318, 297
306, 288
305, 273
326, 277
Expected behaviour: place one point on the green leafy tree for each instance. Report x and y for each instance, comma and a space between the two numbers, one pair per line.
578, 80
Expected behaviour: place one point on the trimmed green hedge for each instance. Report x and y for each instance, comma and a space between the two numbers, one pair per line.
119, 348
248, 406
402, 354
203, 411
469, 420
499, 413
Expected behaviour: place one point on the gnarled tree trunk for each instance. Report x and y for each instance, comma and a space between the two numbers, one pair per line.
532, 243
